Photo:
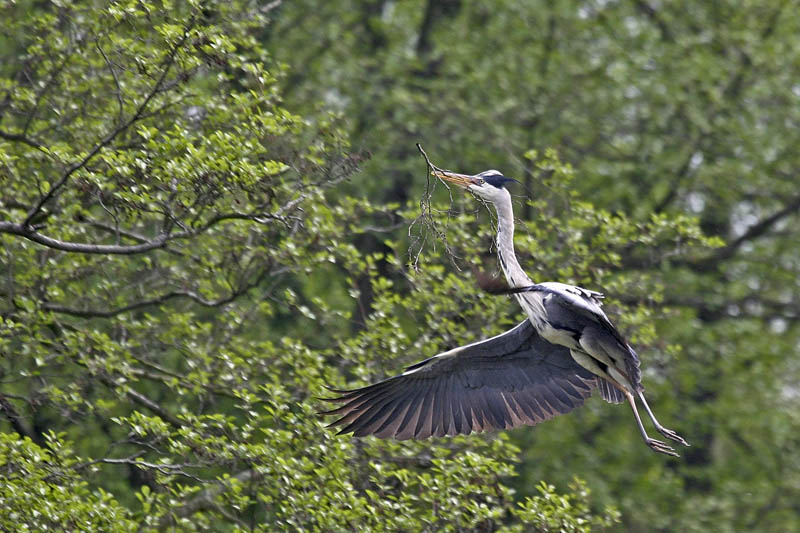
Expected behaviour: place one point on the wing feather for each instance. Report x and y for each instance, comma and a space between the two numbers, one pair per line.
392, 422
459, 422
439, 410
538, 408
363, 408
409, 422
367, 422
424, 420
449, 408
466, 410
516, 378
518, 418
576, 300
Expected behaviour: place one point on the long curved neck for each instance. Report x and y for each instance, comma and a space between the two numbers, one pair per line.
515, 276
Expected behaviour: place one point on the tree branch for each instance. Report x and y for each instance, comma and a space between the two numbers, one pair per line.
17, 137
147, 244
117, 231
144, 401
108, 313
133, 460
166, 65
205, 500
26, 231
731, 93
261, 218
120, 103
680, 175
17, 422
653, 15
753, 232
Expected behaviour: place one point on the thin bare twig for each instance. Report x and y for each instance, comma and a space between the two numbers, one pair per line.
427, 216
110, 66
134, 460
108, 313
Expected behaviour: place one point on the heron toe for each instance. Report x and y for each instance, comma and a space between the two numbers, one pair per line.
672, 436
661, 447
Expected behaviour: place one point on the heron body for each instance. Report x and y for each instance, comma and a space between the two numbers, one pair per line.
545, 366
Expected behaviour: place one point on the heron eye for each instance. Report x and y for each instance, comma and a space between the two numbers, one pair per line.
481, 181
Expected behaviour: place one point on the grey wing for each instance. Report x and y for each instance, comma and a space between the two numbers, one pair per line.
578, 311
509, 380
592, 298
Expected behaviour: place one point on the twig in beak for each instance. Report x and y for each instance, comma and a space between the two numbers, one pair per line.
427, 160
427, 216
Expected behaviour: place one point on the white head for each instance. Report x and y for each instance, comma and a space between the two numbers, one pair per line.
489, 184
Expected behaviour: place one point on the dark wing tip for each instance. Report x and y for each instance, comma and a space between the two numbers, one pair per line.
337, 391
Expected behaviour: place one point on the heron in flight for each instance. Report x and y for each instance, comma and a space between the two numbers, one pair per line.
545, 366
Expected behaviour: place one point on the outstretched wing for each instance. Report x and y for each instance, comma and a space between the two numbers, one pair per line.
503, 382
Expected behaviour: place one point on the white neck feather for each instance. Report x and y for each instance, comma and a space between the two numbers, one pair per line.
515, 276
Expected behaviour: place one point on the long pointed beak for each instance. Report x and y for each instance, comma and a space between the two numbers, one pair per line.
462, 180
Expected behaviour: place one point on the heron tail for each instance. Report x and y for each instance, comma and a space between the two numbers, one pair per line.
609, 392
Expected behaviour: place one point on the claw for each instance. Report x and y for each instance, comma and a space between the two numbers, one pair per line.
661, 447
672, 436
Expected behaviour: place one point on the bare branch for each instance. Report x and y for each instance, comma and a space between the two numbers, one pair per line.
117, 231
110, 66
427, 214
132, 235
271, 6
428, 161
54, 73
680, 174
134, 460
144, 401
261, 218
23, 230
108, 313
145, 244
753, 232
17, 137
191, 295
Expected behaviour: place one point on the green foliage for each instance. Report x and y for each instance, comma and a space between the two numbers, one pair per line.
193, 244
44, 489
550, 511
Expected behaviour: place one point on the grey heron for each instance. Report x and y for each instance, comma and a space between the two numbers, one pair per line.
545, 366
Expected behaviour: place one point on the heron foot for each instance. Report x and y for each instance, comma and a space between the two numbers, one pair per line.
672, 436
661, 447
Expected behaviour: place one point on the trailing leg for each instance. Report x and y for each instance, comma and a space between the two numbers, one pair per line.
657, 445
661, 429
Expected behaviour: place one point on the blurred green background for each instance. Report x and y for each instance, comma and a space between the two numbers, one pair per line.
250, 171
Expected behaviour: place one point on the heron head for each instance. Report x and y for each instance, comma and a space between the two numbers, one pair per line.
489, 184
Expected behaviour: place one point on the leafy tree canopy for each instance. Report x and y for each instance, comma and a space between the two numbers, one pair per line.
210, 210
